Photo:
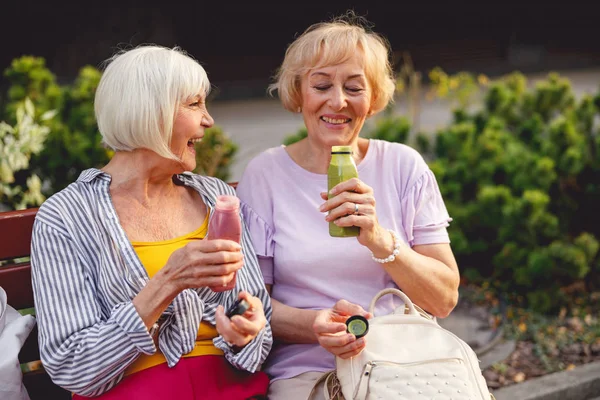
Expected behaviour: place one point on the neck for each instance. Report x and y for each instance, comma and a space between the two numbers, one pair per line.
316, 157
142, 174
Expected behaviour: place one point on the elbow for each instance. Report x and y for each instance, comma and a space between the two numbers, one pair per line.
63, 378
447, 305
448, 301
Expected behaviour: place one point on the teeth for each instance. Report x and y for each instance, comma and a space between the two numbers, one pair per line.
335, 121
195, 140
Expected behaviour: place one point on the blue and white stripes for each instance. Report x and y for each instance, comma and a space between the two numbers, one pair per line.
85, 274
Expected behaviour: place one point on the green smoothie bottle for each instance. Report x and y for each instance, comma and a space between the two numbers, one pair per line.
341, 169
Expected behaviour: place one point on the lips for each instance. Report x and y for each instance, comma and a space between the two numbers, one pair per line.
336, 120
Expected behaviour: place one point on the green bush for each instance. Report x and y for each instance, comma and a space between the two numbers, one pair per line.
17, 144
521, 179
74, 141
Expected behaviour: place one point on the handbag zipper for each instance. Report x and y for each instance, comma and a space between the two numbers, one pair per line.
367, 369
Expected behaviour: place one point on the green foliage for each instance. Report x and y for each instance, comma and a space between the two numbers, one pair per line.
74, 141
393, 129
215, 153
17, 144
520, 178
459, 88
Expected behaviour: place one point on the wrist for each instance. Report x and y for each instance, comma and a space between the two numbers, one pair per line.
166, 287
384, 245
390, 255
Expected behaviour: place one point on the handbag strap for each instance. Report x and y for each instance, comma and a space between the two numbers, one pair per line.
332, 389
408, 303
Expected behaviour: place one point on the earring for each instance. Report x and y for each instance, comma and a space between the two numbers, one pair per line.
299, 109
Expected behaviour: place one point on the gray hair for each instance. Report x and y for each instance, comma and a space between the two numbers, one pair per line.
139, 94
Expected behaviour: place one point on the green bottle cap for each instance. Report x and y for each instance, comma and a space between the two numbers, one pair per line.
341, 149
357, 325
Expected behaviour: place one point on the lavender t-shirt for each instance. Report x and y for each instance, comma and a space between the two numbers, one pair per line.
310, 269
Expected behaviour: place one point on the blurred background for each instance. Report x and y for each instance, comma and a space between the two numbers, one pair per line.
242, 43
501, 98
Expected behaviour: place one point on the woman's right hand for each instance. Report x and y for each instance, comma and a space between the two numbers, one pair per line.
203, 263
330, 328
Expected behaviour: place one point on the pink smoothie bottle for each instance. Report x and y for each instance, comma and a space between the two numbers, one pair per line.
225, 223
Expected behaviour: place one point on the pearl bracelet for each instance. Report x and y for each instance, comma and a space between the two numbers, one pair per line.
395, 252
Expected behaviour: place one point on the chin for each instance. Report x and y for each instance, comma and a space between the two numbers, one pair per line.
336, 140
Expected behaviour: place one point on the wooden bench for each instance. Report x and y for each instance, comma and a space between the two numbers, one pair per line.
15, 279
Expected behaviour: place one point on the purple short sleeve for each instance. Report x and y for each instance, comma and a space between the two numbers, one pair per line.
425, 217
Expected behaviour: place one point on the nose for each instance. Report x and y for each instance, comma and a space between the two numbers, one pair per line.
207, 121
338, 99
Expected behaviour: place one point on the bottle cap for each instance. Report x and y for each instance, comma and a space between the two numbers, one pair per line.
357, 325
341, 149
228, 203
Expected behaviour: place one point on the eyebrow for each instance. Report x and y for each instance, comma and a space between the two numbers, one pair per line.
328, 75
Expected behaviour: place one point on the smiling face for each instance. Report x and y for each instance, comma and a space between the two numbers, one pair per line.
336, 101
191, 119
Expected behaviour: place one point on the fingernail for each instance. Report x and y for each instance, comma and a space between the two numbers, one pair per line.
332, 192
321, 207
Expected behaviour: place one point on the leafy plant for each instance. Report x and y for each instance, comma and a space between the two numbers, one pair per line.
17, 144
73, 143
519, 177
214, 154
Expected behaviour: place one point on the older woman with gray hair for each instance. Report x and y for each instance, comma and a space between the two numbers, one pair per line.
129, 296
337, 74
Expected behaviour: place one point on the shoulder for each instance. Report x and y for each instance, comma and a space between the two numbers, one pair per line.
405, 164
400, 152
263, 170
65, 205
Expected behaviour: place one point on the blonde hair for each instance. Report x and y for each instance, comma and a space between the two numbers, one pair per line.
330, 43
139, 94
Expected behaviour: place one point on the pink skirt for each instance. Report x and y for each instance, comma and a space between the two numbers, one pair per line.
193, 378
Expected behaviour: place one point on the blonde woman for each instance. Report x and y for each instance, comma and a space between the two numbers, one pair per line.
122, 276
337, 75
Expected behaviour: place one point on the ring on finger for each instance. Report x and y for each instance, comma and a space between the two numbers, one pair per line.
355, 209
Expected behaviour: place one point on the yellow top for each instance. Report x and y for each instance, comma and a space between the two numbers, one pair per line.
154, 256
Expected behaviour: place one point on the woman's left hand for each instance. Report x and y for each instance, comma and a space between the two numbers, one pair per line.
241, 329
353, 204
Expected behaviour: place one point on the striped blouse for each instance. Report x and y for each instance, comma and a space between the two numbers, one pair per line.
85, 274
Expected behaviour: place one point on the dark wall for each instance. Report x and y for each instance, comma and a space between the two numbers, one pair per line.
244, 42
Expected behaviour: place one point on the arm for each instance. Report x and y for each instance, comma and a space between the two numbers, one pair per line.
82, 351
292, 325
326, 327
427, 273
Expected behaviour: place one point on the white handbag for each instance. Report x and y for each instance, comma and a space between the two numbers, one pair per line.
408, 356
